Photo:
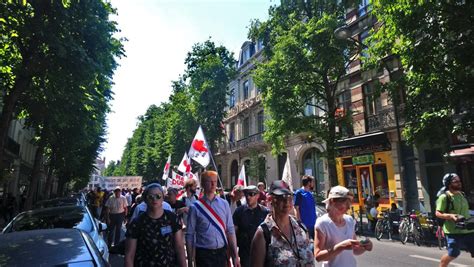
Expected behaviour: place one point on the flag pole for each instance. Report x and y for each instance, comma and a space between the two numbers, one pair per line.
215, 167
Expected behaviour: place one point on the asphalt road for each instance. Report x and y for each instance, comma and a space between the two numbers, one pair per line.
394, 254
385, 253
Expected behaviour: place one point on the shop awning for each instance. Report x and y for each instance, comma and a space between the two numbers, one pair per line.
462, 152
363, 144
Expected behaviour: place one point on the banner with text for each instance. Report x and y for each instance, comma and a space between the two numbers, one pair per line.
111, 182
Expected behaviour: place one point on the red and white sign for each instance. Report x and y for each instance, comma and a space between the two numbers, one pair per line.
199, 150
176, 181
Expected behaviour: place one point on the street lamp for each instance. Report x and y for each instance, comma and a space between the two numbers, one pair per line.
345, 33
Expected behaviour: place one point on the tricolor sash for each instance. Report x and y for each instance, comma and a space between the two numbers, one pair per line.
212, 216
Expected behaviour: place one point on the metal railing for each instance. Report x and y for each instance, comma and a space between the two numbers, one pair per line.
384, 119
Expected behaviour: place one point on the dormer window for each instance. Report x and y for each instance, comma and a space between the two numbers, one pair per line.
232, 98
246, 89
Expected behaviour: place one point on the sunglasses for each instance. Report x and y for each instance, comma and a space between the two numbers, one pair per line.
250, 194
152, 197
283, 197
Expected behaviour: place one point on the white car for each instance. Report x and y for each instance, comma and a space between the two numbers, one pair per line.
61, 217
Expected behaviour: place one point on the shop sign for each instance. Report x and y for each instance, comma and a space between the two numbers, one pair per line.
363, 160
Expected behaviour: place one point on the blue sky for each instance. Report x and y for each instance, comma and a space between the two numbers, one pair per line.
160, 33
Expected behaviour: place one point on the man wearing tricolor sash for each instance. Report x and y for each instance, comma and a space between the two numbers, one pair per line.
210, 235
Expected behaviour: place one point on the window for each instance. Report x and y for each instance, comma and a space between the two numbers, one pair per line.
232, 133
259, 45
232, 98
364, 7
362, 37
344, 101
344, 106
260, 120
246, 128
246, 89
310, 109
372, 103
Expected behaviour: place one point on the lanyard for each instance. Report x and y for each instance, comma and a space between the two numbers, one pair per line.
294, 248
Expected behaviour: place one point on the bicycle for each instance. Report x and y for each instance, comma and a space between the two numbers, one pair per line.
441, 237
384, 226
411, 227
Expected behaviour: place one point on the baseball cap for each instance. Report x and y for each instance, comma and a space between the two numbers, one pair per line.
279, 188
338, 192
251, 188
117, 188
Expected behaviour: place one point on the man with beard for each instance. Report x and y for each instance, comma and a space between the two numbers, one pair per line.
451, 206
305, 208
188, 198
247, 218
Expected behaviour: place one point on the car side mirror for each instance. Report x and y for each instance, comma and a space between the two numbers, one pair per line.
102, 227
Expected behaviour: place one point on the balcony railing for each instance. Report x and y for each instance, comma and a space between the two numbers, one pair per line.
385, 119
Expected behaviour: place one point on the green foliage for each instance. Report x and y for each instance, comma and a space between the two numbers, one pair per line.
57, 67
304, 63
198, 98
433, 40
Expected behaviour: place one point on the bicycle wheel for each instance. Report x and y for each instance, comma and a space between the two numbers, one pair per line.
417, 234
379, 229
403, 231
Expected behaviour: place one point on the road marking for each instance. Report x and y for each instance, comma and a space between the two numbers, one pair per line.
437, 260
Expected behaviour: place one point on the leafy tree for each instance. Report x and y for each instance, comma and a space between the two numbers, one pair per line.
198, 98
59, 59
303, 65
433, 40
209, 70
110, 169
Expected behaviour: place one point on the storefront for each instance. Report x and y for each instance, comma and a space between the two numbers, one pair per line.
462, 156
364, 165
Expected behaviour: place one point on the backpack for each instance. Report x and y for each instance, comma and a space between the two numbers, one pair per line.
268, 238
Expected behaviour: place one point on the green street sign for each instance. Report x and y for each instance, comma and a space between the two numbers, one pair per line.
363, 160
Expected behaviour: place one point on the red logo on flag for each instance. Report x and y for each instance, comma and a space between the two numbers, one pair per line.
199, 146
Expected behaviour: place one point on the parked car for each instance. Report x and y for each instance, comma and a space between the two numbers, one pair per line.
321, 209
61, 217
49, 247
59, 202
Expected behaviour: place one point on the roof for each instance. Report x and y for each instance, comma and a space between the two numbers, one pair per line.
46, 247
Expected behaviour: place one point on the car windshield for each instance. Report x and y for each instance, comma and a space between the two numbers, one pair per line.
73, 217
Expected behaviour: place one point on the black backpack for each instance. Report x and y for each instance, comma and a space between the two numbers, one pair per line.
268, 239
449, 206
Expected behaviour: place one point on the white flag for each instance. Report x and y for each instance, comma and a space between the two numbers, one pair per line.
166, 170
242, 177
287, 173
185, 165
199, 150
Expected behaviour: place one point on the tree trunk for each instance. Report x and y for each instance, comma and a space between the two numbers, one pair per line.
49, 183
35, 176
10, 101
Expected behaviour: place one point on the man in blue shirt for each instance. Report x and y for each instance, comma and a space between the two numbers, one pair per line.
304, 204
210, 230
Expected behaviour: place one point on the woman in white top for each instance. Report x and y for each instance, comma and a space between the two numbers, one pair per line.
335, 242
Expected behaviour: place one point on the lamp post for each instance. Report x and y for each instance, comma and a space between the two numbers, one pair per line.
344, 33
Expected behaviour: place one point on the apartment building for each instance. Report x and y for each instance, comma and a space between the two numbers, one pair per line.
243, 143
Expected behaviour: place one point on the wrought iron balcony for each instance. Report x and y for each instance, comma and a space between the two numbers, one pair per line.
385, 119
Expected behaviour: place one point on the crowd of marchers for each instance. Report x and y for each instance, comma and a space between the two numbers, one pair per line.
249, 226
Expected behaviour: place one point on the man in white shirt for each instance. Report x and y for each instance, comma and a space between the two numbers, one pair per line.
116, 209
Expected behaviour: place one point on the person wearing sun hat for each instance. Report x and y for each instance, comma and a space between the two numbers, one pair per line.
281, 238
335, 242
